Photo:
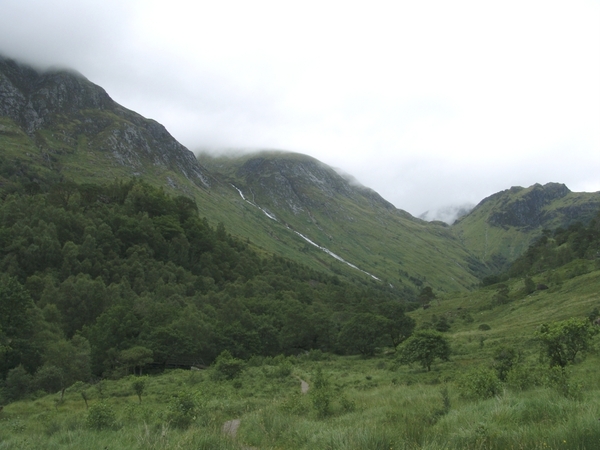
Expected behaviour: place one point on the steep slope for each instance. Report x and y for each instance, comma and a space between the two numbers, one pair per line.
503, 225
57, 125
349, 220
62, 122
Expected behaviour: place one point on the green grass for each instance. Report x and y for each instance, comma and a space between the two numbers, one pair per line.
375, 403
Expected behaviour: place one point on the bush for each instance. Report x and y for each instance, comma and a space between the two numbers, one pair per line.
183, 409
227, 367
522, 378
504, 359
480, 383
321, 394
101, 417
484, 327
559, 379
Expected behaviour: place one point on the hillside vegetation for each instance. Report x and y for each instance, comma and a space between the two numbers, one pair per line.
502, 226
497, 390
148, 300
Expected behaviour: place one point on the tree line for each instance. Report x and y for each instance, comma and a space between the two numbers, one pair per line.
102, 280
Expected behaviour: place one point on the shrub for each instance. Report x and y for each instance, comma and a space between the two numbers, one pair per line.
183, 409
484, 327
504, 359
480, 383
522, 378
227, 367
321, 394
559, 379
101, 417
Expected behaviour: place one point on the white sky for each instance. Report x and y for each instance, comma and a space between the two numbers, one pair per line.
430, 103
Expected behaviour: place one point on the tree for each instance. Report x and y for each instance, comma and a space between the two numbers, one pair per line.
426, 295
135, 357
399, 325
71, 359
364, 332
139, 386
17, 326
227, 367
562, 341
424, 347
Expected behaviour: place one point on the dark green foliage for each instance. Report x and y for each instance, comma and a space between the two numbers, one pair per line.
128, 267
555, 249
71, 359
501, 296
18, 320
424, 347
559, 379
442, 324
504, 360
399, 326
364, 332
135, 358
562, 341
426, 295
18, 383
529, 285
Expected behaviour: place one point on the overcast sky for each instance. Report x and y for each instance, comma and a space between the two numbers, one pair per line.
430, 103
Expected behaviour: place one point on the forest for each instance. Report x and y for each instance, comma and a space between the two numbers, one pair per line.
106, 280
109, 294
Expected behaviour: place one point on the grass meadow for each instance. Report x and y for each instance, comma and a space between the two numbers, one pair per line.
353, 402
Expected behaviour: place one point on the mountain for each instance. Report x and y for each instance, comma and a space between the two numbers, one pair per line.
348, 219
503, 225
58, 126
60, 121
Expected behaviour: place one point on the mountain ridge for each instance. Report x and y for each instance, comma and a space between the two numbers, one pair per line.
61, 123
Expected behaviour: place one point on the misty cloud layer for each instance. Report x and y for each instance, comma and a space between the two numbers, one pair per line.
429, 103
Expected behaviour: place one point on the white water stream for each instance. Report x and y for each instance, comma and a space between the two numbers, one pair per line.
324, 249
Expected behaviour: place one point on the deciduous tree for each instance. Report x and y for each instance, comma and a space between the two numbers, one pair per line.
424, 347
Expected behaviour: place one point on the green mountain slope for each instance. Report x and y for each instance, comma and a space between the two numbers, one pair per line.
58, 125
502, 226
352, 221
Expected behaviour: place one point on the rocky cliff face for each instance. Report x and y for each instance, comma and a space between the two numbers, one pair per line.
62, 111
526, 208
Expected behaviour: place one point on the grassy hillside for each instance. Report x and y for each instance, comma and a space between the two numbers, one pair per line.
353, 403
352, 221
503, 225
